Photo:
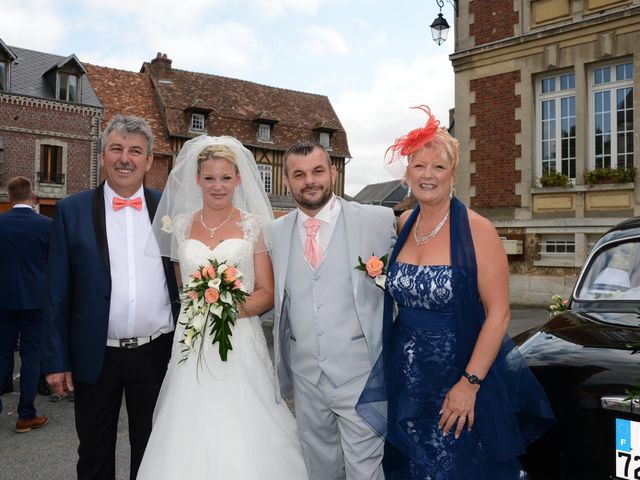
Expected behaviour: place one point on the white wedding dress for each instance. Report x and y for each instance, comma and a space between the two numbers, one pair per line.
220, 420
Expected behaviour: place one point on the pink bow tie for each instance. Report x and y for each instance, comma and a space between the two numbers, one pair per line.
312, 249
120, 203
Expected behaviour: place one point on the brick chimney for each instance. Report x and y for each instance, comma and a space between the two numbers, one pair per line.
161, 62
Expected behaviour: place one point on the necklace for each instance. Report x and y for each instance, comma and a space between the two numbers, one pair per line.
212, 231
422, 239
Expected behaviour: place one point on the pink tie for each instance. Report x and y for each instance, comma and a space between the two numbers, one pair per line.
312, 249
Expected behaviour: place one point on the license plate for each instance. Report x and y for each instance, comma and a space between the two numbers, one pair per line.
627, 449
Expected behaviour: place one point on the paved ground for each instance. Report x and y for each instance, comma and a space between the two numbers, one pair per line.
50, 453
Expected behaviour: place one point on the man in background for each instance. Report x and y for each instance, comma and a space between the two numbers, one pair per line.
24, 243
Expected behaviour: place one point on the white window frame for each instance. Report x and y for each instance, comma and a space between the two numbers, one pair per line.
559, 97
266, 175
47, 189
197, 122
612, 86
4, 76
64, 78
549, 254
324, 139
264, 132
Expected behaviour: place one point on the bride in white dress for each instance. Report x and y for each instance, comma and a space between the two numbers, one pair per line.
216, 419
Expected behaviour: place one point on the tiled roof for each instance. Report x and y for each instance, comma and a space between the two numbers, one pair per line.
234, 105
130, 93
27, 76
378, 192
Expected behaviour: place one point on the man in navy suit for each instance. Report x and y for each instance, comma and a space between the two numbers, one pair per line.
111, 302
24, 243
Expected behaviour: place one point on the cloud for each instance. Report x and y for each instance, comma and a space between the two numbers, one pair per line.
375, 117
188, 16
227, 48
22, 23
275, 8
323, 41
198, 36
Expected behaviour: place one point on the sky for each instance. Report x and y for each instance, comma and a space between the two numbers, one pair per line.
373, 58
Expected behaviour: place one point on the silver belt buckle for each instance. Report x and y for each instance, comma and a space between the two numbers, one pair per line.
128, 343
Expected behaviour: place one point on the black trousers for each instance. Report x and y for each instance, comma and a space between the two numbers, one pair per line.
136, 372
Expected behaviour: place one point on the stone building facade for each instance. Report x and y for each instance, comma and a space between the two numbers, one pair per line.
545, 113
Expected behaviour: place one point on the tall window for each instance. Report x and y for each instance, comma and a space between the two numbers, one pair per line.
3, 76
51, 164
67, 87
612, 116
265, 176
557, 124
197, 122
264, 132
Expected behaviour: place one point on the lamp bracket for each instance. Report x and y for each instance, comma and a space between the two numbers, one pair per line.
453, 3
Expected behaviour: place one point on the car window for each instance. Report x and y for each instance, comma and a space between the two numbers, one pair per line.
614, 273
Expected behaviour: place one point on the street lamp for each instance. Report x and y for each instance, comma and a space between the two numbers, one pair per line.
440, 26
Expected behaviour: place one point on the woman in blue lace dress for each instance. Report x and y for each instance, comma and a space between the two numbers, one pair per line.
450, 392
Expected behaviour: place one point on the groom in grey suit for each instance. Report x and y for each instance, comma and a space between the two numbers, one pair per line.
327, 315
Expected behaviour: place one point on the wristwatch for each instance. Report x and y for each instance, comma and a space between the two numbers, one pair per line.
473, 379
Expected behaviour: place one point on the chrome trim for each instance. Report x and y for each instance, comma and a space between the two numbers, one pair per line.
620, 403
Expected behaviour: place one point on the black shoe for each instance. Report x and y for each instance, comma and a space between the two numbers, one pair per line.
7, 387
43, 387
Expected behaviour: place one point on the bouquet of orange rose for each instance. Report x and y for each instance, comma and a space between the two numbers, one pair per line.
211, 302
376, 268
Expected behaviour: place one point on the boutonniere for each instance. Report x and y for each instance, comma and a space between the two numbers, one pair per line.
376, 268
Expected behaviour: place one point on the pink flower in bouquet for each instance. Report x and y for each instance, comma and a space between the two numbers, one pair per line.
211, 295
374, 266
209, 271
193, 295
231, 274
196, 275
237, 284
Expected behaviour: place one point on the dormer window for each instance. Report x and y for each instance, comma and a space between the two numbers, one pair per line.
324, 139
323, 133
264, 132
197, 122
7, 57
67, 87
3, 76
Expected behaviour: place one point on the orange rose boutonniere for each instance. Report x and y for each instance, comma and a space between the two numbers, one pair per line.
375, 268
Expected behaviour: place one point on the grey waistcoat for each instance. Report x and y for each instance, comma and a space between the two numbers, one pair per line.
326, 336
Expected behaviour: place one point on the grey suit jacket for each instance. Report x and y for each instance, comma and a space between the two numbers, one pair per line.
370, 231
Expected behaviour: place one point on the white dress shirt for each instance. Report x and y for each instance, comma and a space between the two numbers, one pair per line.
140, 305
328, 217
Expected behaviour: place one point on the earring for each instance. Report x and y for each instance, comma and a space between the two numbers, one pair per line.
451, 191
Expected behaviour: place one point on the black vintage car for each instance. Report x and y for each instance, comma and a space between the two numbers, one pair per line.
585, 359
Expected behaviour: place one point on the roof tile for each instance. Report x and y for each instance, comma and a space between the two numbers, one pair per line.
130, 93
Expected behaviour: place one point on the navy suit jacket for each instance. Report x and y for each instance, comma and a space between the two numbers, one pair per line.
24, 244
78, 290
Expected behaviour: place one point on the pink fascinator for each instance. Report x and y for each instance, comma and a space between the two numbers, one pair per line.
395, 156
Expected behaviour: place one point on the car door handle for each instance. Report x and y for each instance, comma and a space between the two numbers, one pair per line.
620, 403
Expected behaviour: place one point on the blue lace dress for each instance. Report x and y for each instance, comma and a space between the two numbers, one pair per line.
422, 368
